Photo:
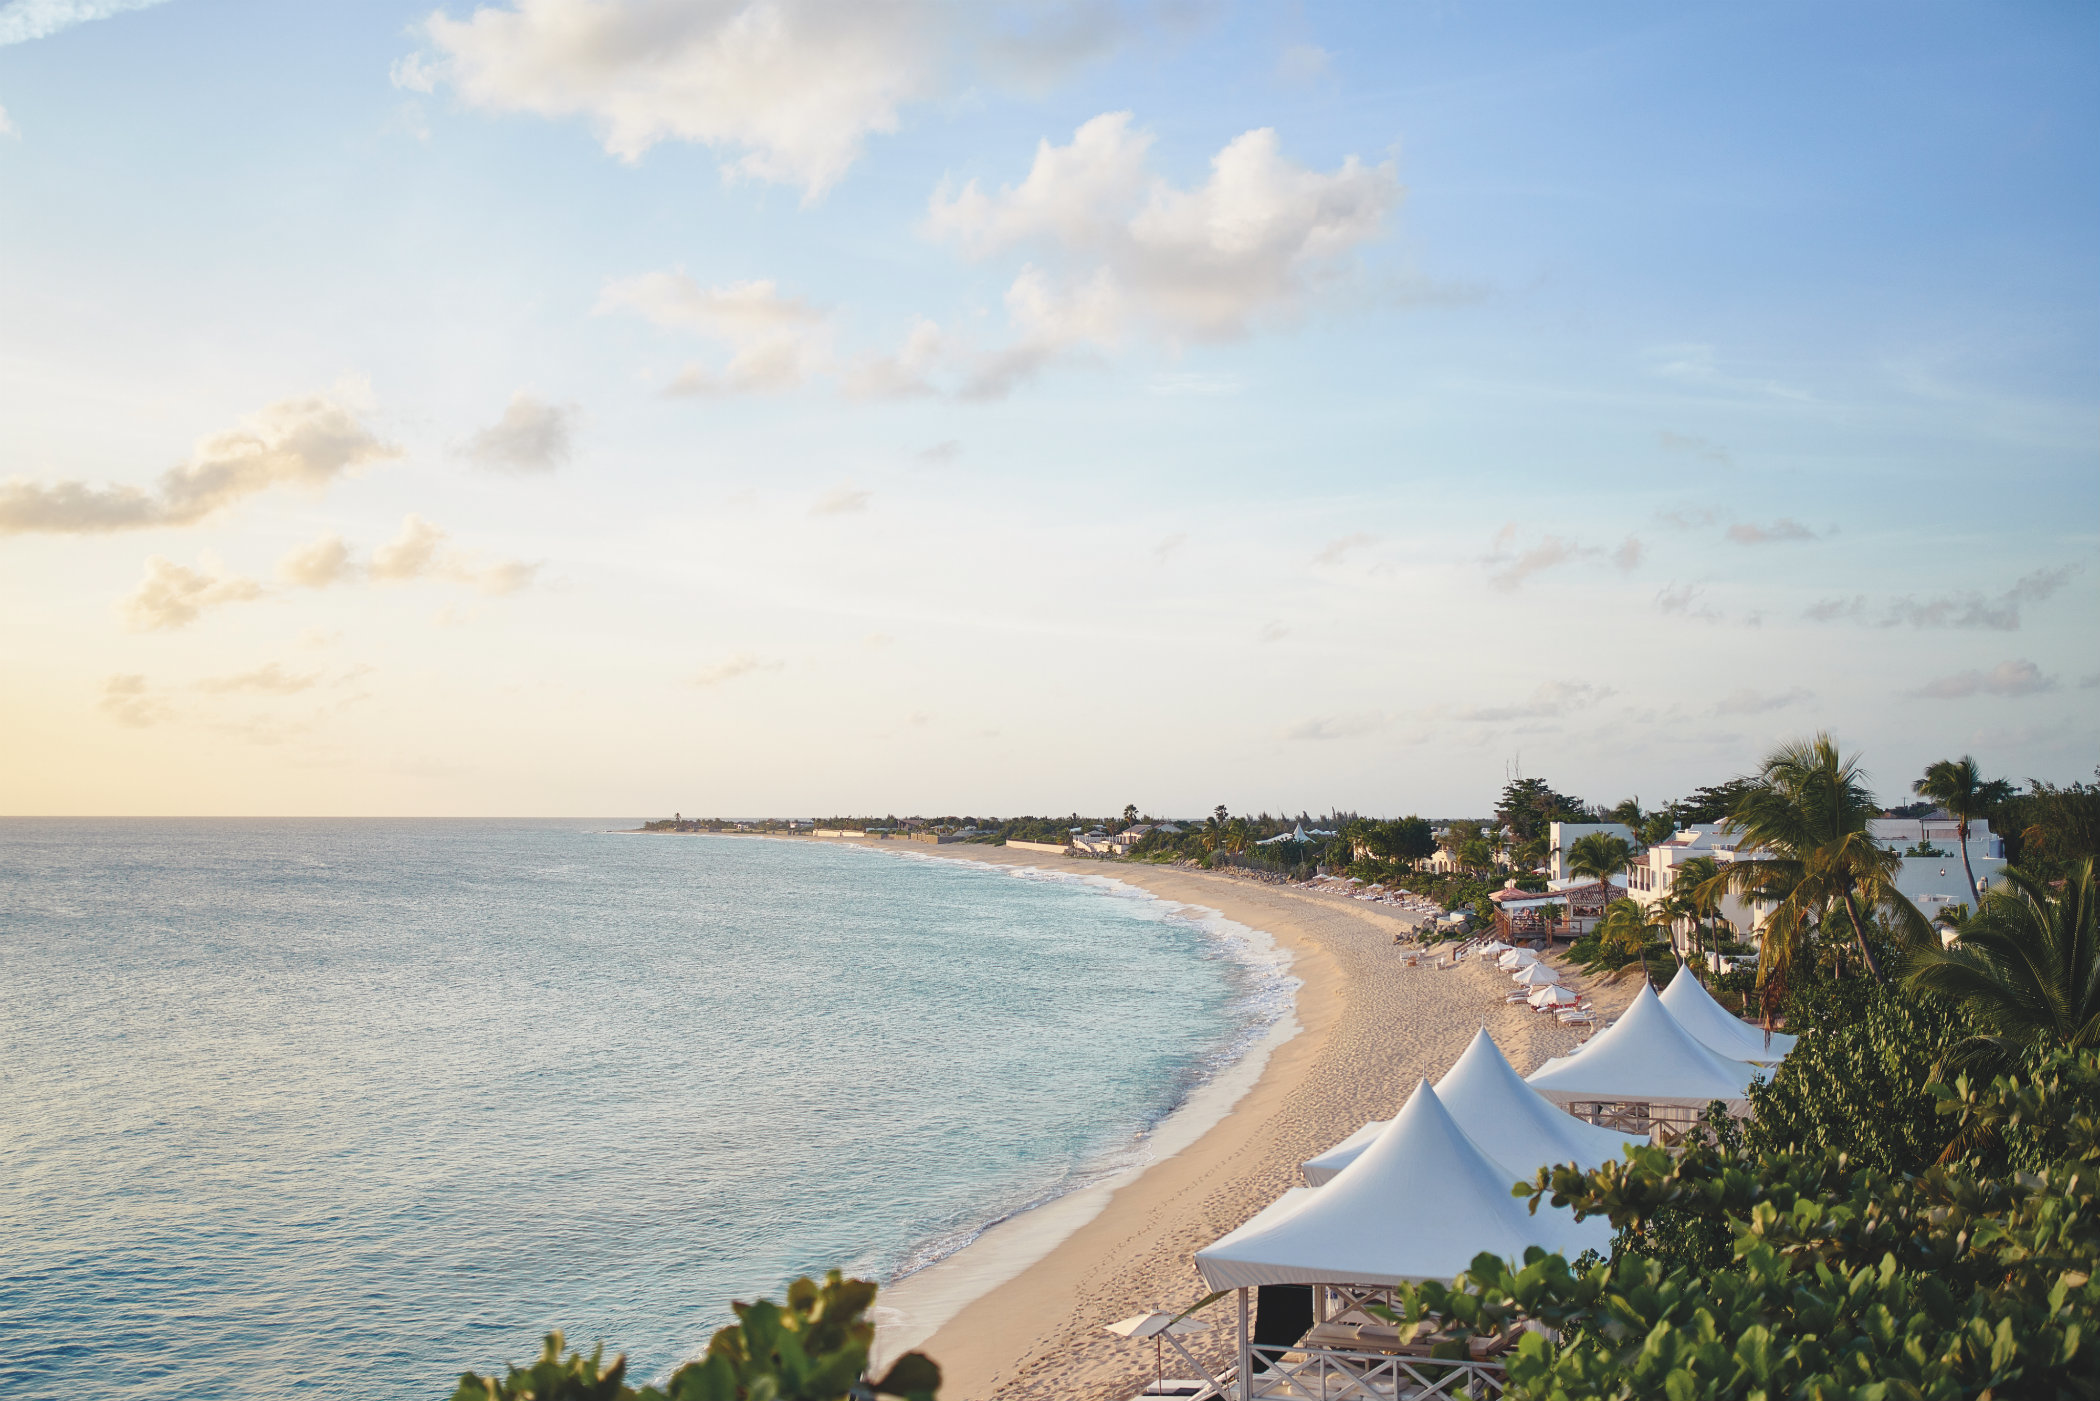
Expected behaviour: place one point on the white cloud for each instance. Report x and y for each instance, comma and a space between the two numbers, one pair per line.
729, 669
789, 90
420, 552
1334, 551
1206, 263
7, 127
531, 436
1549, 553
1165, 549
1550, 700
1697, 448
409, 555
1968, 610
326, 561
1335, 727
776, 342
304, 442
2008, 678
172, 596
786, 90
841, 501
1628, 555
1787, 528
127, 699
24, 20
269, 680
1744, 701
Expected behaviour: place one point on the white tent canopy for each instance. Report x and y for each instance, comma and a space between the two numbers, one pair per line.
1697, 1012
1506, 1117
1645, 1058
1418, 1204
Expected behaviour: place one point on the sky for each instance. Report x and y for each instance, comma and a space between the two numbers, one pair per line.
774, 407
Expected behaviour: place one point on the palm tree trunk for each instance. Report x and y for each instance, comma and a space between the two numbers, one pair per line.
1859, 934
1961, 830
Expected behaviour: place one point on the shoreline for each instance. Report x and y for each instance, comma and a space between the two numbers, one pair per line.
1020, 1312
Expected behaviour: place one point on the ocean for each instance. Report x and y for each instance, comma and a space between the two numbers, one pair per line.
353, 1106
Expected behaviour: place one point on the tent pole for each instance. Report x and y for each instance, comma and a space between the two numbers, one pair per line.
1246, 1352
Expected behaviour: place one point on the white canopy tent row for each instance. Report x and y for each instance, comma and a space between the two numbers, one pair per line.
1644, 1063
1697, 1012
1512, 1123
1417, 1203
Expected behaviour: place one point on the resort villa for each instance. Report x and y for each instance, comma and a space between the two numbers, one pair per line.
1931, 876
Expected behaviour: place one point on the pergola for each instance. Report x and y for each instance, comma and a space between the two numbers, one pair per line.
1418, 1203
1644, 1063
1510, 1121
1725, 1035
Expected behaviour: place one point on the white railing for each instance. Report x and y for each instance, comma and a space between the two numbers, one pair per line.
1332, 1374
1299, 1373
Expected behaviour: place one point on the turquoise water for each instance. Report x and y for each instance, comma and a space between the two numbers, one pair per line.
350, 1106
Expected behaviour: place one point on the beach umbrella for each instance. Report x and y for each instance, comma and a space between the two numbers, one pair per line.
1494, 946
1156, 1326
1552, 995
1531, 975
1516, 958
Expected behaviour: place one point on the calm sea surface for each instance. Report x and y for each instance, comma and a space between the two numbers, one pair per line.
346, 1107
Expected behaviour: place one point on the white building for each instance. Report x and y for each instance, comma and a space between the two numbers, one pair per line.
1563, 835
1930, 878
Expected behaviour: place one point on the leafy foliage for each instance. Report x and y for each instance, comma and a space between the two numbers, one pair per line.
2028, 964
1528, 806
2050, 829
1856, 1082
815, 1348
1845, 1281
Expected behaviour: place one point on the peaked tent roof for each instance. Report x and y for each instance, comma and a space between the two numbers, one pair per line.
1511, 1122
1646, 1057
1418, 1204
1697, 1012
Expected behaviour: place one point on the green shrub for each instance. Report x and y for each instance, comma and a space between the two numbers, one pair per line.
1845, 1280
813, 1349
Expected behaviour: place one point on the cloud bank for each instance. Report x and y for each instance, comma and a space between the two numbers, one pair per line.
789, 90
303, 442
25, 20
2008, 678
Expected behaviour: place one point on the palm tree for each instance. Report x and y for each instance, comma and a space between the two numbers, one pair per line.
1966, 795
1805, 814
1690, 897
1634, 930
1630, 814
1599, 855
2027, 966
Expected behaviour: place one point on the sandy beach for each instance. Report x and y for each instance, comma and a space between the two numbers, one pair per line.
1366, 1029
